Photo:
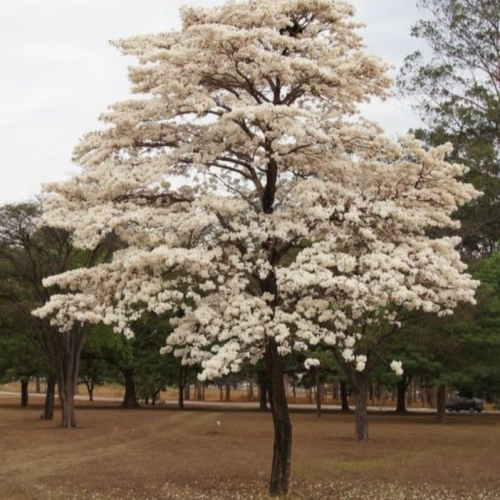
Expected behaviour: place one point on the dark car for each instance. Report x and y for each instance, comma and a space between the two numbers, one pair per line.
473, 404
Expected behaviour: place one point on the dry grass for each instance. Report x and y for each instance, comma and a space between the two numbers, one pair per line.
167, 454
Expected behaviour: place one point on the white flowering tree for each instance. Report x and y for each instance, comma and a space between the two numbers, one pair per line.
254, 205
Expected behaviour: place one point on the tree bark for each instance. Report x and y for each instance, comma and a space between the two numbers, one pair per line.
24, 392
130, 397
65, 356
182, 382
282, 453
38, 389
228, 392
48, 409
199, 390
66, 386
401, 399
263, 384
361, 409
187, 390
441, 403
343, 396
90, 384
251, 396
67, 381
319, 393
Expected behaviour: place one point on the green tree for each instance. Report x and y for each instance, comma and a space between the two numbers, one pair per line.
456, 91
34, 253
20, 357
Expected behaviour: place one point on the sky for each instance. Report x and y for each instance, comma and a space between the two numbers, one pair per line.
59, 72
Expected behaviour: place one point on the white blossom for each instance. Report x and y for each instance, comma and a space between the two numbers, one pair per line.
397, 367
183, 175
311, 362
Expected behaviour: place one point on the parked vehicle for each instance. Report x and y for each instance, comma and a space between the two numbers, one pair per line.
463, 404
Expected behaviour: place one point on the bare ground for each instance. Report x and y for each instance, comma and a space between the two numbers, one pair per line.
168, 454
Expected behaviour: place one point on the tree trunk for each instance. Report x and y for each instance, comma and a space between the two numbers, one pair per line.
361, 409
130, 397
24, 392
263, 378
251, 396
187, 391
66, 360
66, 386
441, 403
401, 401
38, 389
199, 390
319, 394
429, 398
48, 409
228, 392
343, 396
282, 453
182, 382
181, 396
90, 389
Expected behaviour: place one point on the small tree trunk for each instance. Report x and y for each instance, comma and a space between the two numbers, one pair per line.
38, 389
441, 403
90, 389
282, 454
130, 397
199, 390
319, 393
381, 400
181, 396
228, 392
401, 401
251, 395
263, 392
182, 383
48, 409
343, 396
429, 397
361, 409
24, 392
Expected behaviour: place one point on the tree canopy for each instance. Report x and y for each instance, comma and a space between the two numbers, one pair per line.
254, 204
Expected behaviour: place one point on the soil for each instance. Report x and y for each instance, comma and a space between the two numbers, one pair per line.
164, 453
